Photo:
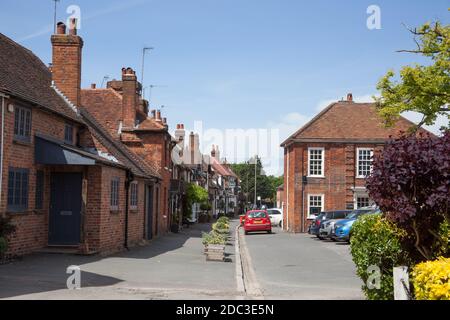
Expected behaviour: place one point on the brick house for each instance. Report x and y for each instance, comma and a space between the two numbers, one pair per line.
124, 113
64, 179
326, 161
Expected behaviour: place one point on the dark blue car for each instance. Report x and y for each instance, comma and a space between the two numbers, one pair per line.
342, 229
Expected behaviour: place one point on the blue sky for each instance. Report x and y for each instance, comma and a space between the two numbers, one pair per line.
235, 63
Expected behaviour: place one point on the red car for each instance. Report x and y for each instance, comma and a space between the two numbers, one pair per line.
257, 220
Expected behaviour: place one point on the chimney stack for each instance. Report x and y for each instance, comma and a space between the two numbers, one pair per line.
66, 61
129, 97
213, 151
158, 115
350, 97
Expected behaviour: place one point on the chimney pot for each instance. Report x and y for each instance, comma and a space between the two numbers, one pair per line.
93, 86
60, 28
350, 97
158, 115
73, 27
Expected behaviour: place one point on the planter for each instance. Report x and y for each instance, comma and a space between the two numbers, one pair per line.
215, 252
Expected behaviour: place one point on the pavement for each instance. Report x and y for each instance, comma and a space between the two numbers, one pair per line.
170, 267
259, 266
300, 266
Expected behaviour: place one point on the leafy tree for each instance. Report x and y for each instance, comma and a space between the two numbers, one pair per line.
411, 184
423, 89
265, 185
194, 194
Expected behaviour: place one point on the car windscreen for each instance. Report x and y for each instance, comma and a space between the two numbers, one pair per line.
256, 214
357, 213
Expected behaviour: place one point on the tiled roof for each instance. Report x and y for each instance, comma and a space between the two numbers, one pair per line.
24, 75
104, 104
150, 124
346, 120
118, 149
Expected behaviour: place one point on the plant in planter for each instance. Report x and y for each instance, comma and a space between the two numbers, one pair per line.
6, 229
214, 245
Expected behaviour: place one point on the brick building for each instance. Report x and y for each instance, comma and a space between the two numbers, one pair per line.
65, 180
326, 161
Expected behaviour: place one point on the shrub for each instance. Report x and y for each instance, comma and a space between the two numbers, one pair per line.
224, 219
221, 227
376, 242
6, 228
213, 238
431, 280
411, 184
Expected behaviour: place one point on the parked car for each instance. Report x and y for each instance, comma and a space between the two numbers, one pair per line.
276, 216
257, 220
326, 226
342, 229
326, 216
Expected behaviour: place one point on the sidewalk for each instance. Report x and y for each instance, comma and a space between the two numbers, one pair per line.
171, 267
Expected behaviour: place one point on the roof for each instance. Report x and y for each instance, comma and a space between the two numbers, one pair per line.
25, 76
150, 124
137, 165
345, 120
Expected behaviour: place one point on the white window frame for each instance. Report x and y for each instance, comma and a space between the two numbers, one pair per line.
357, 161
360, 195
322, 164
309, 203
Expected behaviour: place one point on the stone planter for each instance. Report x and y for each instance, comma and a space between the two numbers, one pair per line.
215, 252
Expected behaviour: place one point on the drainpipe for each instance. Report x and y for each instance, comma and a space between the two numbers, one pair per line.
2, 143
128, 181
287, 191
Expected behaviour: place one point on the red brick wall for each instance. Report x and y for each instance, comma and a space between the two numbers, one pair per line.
340, 177
32, 225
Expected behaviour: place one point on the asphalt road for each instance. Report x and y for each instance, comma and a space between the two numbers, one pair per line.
300, 266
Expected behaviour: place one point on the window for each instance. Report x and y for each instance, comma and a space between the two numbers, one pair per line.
315, 204
39, 196
364, 162
18, 189
68, 133
134, 195
316, 162
22, 123
362, 201
115, 193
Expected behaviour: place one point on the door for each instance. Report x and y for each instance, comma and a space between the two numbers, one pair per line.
65, 209
149, 210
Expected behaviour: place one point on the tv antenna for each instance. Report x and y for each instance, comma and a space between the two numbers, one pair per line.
105, 78
144, 51
54, 15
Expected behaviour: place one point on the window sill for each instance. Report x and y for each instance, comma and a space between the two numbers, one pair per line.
39, 211
114, 211
361, 177
22, 142
321, 177
17, 212
134, 209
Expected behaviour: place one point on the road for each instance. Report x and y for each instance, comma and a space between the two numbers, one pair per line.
300, 266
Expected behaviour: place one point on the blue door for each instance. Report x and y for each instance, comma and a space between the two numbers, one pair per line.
65, 209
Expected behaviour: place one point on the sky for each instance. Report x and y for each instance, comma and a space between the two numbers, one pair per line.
224, 67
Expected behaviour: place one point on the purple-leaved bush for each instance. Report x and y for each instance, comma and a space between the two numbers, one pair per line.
410, 183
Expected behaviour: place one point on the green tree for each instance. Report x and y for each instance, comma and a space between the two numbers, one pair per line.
265, 185
423, 89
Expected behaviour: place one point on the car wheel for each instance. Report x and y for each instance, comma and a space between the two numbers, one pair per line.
280, 224
246, 232
269, 232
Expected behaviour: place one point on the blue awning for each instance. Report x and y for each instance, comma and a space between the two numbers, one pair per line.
53, 153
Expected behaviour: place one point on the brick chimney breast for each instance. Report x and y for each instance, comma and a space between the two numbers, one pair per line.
66, 63
130, 98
